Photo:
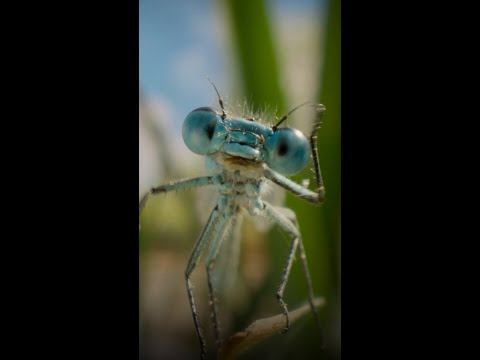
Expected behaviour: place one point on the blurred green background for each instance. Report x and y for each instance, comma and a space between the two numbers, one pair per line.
276, 54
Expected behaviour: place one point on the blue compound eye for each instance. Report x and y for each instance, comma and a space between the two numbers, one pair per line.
198, 129
288, 151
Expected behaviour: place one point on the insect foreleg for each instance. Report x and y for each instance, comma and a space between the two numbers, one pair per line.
313, 144
315, 197
180, 184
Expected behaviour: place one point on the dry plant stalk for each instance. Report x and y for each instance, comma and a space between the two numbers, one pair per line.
260, 330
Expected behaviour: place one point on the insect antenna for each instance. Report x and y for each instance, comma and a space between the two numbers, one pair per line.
284, 117
220, 100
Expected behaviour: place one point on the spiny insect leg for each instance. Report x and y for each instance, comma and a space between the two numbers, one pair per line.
192, 264
303, 259
180, 184
291, 230
219, 234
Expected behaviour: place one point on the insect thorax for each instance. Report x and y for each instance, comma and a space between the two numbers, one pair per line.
241, 190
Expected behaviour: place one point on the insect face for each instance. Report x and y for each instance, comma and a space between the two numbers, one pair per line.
243, 141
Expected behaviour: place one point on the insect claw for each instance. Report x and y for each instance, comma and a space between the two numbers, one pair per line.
287, 325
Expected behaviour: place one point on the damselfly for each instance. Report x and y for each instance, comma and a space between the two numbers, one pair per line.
246, 154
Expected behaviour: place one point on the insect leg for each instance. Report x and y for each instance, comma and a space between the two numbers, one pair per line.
303, 258
180, 184
315, 197
192, 263
220, 233
293, 231
313, 144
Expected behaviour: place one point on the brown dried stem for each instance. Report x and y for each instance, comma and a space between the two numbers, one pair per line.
261, 330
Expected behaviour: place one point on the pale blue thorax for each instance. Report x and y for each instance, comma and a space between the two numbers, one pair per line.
239, 191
